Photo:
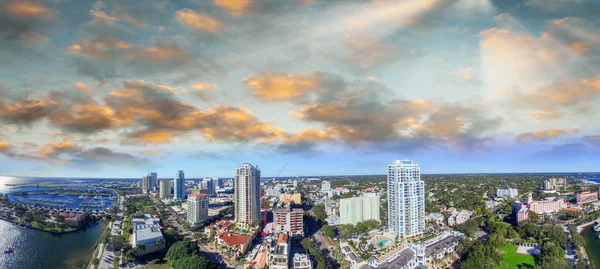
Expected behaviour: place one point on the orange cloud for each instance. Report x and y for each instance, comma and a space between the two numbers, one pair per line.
159, 52
4, 145
234, 7
282, 87
24, 8
543, 135
98, 47
310, 135
151, 152
546, 114
198, 21
155, 137
82, 86
205, 86
57, 148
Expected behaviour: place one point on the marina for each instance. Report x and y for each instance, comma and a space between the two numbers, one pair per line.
64, 199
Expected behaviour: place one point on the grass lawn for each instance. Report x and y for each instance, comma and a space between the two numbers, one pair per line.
166, 265
512, 259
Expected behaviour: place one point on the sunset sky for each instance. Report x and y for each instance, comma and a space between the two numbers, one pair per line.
120, 88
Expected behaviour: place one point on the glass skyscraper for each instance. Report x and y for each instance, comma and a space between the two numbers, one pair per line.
179, 185
406, 199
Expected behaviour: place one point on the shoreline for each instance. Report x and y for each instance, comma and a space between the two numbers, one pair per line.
581, 226
49, 231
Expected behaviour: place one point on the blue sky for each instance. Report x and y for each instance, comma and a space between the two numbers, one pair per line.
119, 88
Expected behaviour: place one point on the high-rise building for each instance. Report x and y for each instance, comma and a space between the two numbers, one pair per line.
165, 189
153, 180
146, 184
406, 199
326, 186
197, 208
358, 209
289, 221
212, 186
219, 182
179, 185
247, 195
295, 182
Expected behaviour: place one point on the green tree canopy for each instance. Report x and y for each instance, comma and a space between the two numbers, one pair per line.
194, 262
182, 249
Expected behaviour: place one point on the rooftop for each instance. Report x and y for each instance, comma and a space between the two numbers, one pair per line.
145, 231
440, 246
283, 238
234, 238
197, 195
405, 256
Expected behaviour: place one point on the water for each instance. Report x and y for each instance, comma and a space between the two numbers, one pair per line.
382, 242
36, 249
76, 202
592, 244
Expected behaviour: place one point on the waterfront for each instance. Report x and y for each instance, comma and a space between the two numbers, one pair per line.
592, 244
37, 249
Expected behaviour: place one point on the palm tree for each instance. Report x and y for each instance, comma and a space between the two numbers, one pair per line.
159, 243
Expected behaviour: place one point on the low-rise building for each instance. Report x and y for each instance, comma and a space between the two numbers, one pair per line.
148, 235
301, 261
146, 219
435, 217
280, 253
586, 197
296, 197
236, 242
71, 220
511, 193
459, 217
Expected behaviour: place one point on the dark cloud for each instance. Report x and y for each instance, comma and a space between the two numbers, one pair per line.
202, 155
22, 28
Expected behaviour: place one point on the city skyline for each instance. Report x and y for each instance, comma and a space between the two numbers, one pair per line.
105, 89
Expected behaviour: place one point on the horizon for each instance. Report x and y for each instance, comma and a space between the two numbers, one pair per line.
307, 176
334, 87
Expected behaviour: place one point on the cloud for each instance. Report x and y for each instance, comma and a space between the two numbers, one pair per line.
365, 112
303, 142
23, 111
69, 154
234, 7
141, 14
543, 135
546, 114
576, 94
293, 87
198, 21
465, 74
201, 155
82, 86
23, 23
152, 152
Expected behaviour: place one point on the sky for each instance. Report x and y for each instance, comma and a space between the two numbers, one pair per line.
115, 88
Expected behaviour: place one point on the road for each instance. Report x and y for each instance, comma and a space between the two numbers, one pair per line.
322, 243
108, 255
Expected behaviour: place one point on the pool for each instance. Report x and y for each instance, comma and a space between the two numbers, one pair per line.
382, 242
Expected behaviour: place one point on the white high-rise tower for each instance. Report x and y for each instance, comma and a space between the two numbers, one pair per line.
247, 195
406, 199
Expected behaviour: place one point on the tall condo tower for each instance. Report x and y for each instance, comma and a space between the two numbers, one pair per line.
179, 185
165, 189
406, 199
247, 195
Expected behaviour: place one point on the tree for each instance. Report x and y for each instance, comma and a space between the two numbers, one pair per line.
182, 249
328, 231
117, 241
195, 262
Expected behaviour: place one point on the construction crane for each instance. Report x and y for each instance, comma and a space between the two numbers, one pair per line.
265, 193
280, 172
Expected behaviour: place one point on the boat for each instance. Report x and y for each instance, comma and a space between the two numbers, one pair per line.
8, 251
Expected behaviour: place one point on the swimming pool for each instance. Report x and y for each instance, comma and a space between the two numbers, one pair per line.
382, 242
